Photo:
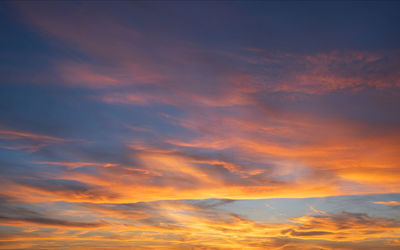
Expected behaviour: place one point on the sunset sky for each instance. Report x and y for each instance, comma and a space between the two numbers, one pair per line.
199, 125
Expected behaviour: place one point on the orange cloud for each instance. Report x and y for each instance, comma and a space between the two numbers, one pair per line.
388, 203
343, 227
13, 135
205, 224
242, 133
17, 140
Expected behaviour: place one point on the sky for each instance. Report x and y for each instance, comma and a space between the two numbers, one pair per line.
199, 125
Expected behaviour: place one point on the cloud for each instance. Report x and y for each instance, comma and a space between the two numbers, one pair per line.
207, 224
388, 203
210, 122
13, 135
343, 227
125, 58
254, 161
17, 140
67, 188
13, 213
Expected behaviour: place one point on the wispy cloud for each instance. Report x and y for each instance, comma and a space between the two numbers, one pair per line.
160, 125
16, 140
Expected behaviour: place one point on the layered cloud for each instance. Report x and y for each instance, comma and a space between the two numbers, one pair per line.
128, 132
204, 224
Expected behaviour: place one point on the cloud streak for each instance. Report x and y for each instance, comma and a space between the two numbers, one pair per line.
190, 116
